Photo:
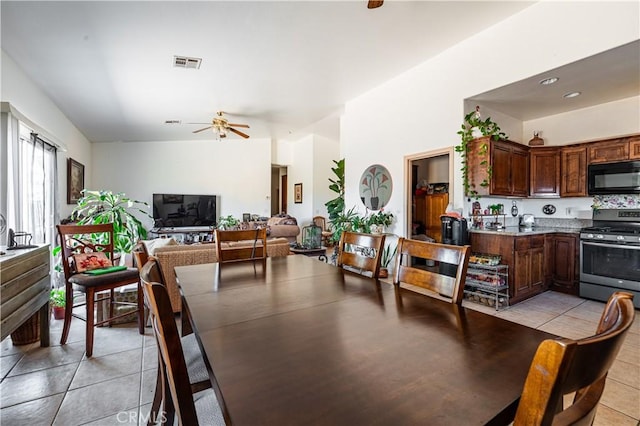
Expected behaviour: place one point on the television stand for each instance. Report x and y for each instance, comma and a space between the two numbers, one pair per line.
184, 235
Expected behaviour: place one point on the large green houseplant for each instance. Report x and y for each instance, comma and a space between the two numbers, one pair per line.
473, 127
98, 207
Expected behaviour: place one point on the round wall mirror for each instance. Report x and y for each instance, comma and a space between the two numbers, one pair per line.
375, 187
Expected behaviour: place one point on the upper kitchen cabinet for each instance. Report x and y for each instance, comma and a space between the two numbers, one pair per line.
573, 170
609, 151
545, 172
634, 148
498, 167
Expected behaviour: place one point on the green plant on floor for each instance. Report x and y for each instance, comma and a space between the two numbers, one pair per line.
100, 207
388, 255
229, 222
335, 207
473, 127
57, 297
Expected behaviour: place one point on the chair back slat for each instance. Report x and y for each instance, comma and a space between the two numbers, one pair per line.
565, 366
450, 287
244, 245
361, 251
170, 348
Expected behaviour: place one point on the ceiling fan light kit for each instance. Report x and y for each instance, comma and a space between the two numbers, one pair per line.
221, 125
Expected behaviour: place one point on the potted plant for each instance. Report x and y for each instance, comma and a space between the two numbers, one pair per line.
97, 207
379, 221
387, 257
335, 207
58, 302
226, 223
474, 127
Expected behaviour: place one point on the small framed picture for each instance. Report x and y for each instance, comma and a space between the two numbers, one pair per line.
75, 181
297, 193
246, 217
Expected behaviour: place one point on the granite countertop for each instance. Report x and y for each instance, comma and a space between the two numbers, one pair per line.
517, 231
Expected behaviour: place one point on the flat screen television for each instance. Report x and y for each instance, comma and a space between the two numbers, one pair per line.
182, 210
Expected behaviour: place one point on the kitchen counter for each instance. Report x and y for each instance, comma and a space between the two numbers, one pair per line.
517, 231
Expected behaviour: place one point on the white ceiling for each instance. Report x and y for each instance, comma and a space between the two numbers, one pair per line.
278, 66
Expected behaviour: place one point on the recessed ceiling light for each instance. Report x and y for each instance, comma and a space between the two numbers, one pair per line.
549, 80
571, 94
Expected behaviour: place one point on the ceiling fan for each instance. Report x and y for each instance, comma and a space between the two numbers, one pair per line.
372, 4
221, 126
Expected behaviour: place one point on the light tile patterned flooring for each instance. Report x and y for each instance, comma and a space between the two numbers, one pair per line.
59, 385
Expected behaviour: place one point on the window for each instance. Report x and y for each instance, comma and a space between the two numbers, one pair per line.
32, 186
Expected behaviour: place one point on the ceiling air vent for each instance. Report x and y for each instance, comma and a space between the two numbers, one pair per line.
186, 62
172, 122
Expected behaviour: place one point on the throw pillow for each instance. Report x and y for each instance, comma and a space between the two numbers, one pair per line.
152, 245
90, 261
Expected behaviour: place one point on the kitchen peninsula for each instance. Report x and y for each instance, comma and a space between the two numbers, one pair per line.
538, 258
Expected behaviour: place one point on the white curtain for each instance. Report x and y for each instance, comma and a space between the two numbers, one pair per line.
32, 185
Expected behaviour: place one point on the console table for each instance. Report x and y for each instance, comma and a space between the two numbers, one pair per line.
25, 290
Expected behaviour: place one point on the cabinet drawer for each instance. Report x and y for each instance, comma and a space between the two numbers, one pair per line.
530, 242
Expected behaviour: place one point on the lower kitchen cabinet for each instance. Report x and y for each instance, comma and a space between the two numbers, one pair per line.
564, 264
525, 256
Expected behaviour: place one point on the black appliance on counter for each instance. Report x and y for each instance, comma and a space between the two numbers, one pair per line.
610, 255
454, 232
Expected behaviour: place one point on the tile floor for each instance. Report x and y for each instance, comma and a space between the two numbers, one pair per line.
59, 385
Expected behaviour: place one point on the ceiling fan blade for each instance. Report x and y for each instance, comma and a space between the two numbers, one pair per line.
203, 129
372, 4
238, 132
246, 126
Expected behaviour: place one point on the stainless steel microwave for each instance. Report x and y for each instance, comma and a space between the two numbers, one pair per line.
614, 178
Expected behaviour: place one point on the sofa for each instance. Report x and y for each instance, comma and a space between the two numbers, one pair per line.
278, 226
170, 256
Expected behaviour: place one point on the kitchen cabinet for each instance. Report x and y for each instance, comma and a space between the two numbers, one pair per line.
573, 169
634, 148
525, 256
509, 165
428, 210
609, 151
564, 265
544, 167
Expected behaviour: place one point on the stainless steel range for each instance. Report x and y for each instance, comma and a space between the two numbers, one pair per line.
610, 254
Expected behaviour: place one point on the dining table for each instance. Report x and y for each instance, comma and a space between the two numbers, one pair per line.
297, 341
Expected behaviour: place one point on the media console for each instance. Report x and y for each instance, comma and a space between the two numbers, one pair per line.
184, 235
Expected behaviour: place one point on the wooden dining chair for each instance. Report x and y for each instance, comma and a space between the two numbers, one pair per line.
86, 239
451, 288
564, 366
179, 394
240, 246
196, 369
326, 234
362, 252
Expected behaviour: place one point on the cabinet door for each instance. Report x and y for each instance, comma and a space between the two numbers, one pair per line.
500, 169
574, 172
519, 180
521, 281
436, 204
565, 263
536, 269
634, 148
608, 151
544, 172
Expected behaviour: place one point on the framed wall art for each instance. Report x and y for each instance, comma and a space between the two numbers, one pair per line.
75, 181
297, 193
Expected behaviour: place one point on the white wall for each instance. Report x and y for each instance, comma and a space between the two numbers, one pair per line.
423, 108
49, 121
234, 169
325, 151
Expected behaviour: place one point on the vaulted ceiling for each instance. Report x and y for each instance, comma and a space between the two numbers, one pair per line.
281, 67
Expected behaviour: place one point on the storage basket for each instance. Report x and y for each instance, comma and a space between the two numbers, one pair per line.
28, 332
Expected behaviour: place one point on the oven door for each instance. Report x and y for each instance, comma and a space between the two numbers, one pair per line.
610, 264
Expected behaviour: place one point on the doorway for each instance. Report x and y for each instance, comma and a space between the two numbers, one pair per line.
429, 191
278, 189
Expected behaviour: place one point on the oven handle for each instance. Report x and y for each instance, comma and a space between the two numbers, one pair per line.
620, 246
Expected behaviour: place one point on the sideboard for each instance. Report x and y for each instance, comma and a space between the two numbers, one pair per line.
24, 291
